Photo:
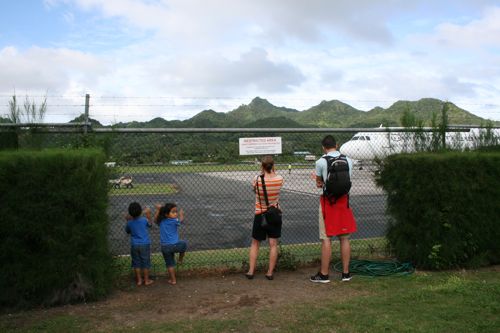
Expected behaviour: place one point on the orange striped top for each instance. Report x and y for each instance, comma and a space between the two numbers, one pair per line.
273, 187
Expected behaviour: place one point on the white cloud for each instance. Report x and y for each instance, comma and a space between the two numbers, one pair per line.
39, 71
69, 17
483, 32
51, 3
216, 74
279, 20
293, 53
52, 69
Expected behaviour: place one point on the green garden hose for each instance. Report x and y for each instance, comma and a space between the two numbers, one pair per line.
377, 268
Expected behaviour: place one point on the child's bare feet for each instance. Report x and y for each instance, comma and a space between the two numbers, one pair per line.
148, 282
138, 283
172, 282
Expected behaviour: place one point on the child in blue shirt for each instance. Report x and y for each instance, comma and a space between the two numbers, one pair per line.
140, 244
169, 219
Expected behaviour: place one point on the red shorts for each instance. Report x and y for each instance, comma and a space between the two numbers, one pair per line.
338, 216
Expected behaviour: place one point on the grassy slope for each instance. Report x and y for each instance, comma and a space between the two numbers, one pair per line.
423, 302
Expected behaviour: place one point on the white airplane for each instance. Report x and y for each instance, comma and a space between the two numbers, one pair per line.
367, 146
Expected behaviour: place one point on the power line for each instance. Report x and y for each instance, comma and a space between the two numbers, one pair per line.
41, 96
491, 106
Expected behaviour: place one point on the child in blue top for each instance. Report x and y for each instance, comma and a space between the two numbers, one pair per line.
137, 226
169, 219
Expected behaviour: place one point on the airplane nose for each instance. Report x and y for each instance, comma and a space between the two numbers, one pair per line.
350, 149
345, 149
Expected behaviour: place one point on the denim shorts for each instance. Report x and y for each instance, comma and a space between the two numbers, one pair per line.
168, 251
140, 256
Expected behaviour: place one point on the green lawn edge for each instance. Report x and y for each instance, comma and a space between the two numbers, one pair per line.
237, 258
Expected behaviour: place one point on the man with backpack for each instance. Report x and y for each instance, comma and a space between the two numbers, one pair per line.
333, 175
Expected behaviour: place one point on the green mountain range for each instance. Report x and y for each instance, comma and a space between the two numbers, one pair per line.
261, 113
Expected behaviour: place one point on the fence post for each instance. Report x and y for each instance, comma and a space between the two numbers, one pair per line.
87, 100
444, 124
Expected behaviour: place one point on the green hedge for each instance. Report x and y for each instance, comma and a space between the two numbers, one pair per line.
53, 228
8, 140
444, 208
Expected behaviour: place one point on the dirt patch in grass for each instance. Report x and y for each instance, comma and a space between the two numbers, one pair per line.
224, 301
228, 302
196, 297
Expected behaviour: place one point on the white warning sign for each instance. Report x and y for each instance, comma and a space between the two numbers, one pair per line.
260, 146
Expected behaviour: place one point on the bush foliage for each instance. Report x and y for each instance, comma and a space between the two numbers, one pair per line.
53, 227
444, 208
8, 140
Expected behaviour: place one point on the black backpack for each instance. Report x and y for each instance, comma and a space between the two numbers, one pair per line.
338, 180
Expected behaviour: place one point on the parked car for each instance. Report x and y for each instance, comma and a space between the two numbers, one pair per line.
125, 181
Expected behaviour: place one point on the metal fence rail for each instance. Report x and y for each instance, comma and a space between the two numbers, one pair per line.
200, 170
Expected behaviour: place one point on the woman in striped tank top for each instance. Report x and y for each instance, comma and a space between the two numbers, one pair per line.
273, 184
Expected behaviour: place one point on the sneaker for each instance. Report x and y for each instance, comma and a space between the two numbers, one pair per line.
346, 277
319, 278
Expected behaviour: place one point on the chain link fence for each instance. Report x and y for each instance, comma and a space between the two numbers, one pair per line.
202, 172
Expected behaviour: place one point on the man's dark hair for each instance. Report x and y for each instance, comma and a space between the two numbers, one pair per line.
134, 209
329, 142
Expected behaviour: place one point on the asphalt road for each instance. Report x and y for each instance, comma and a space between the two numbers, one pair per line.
219, 209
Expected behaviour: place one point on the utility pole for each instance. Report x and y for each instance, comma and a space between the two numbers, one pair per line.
87, 100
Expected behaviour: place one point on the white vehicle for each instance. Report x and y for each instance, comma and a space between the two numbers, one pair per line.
367, 146
310, 158
125, 181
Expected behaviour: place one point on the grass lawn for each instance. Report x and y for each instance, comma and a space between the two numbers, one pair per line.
190, 168
428, 302
235, 259
453, 301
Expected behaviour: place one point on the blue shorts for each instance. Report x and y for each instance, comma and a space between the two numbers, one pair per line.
168, 251
140, 256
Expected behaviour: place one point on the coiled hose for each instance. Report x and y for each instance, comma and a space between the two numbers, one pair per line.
374, 268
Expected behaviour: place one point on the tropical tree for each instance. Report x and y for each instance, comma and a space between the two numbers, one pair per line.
30, 113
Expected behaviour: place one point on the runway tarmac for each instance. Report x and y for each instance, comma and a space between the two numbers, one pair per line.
219, 208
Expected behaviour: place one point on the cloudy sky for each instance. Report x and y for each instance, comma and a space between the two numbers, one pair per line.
140, 59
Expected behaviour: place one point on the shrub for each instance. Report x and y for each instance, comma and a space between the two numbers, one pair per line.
444, 208
8, 140
54, 227
286, 259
